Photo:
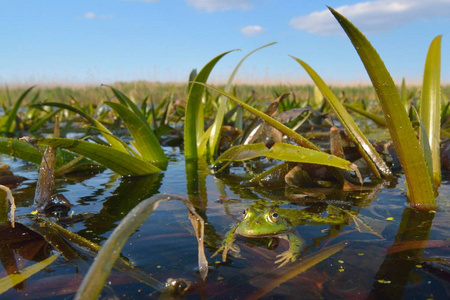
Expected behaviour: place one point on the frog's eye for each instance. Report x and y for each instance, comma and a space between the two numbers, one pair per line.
273, 217
245, 213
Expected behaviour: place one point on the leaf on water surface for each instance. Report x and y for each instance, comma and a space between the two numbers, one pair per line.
11, 280
285, 152
20, 149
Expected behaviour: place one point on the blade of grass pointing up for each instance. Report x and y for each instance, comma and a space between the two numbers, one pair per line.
194, 109
217, 125
430, 105
7, 126
366, 149
145, 140
419, 188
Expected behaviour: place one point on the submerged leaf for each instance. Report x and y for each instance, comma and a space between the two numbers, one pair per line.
99, 271
270, 280
10, 281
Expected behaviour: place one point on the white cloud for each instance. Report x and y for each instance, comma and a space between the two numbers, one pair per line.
373, 16
214, 5
91, 15
252, 30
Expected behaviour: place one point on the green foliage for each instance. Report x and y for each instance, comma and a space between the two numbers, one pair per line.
366, 149
285, 152
193, 120
122, 163
420, 190
430, 106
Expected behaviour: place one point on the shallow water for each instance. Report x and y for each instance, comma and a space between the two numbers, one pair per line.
391, 252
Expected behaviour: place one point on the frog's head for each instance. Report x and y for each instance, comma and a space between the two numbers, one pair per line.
259, 223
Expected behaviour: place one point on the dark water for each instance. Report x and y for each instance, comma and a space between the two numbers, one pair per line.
392, 252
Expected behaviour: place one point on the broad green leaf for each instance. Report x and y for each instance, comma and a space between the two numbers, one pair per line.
217, 125
419, 188
117, 161
280, 126
7, 126
194, 108
430, 105
145, 140
112, 140
20, 149
366, 149
285, 152
10, 281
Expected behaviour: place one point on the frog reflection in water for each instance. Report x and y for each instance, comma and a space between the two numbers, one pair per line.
277, 222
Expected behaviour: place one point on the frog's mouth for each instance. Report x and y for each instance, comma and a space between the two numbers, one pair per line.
252, 234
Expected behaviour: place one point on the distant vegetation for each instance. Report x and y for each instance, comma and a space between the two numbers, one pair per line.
140, 89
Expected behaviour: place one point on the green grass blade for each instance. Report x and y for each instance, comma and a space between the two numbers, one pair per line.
145, 140
7, 127
430, 105
419, 188
194, 109
404, 95
285, 152
374, 117
117, 161
20, 149
112, 140
127, 102
280, 126
217, 125
366, 149
40, 122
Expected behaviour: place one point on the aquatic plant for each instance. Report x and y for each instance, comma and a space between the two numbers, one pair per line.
419, 183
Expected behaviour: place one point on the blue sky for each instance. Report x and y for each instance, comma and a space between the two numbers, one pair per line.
102, 41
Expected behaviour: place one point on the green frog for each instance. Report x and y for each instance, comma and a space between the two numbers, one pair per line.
259, 222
